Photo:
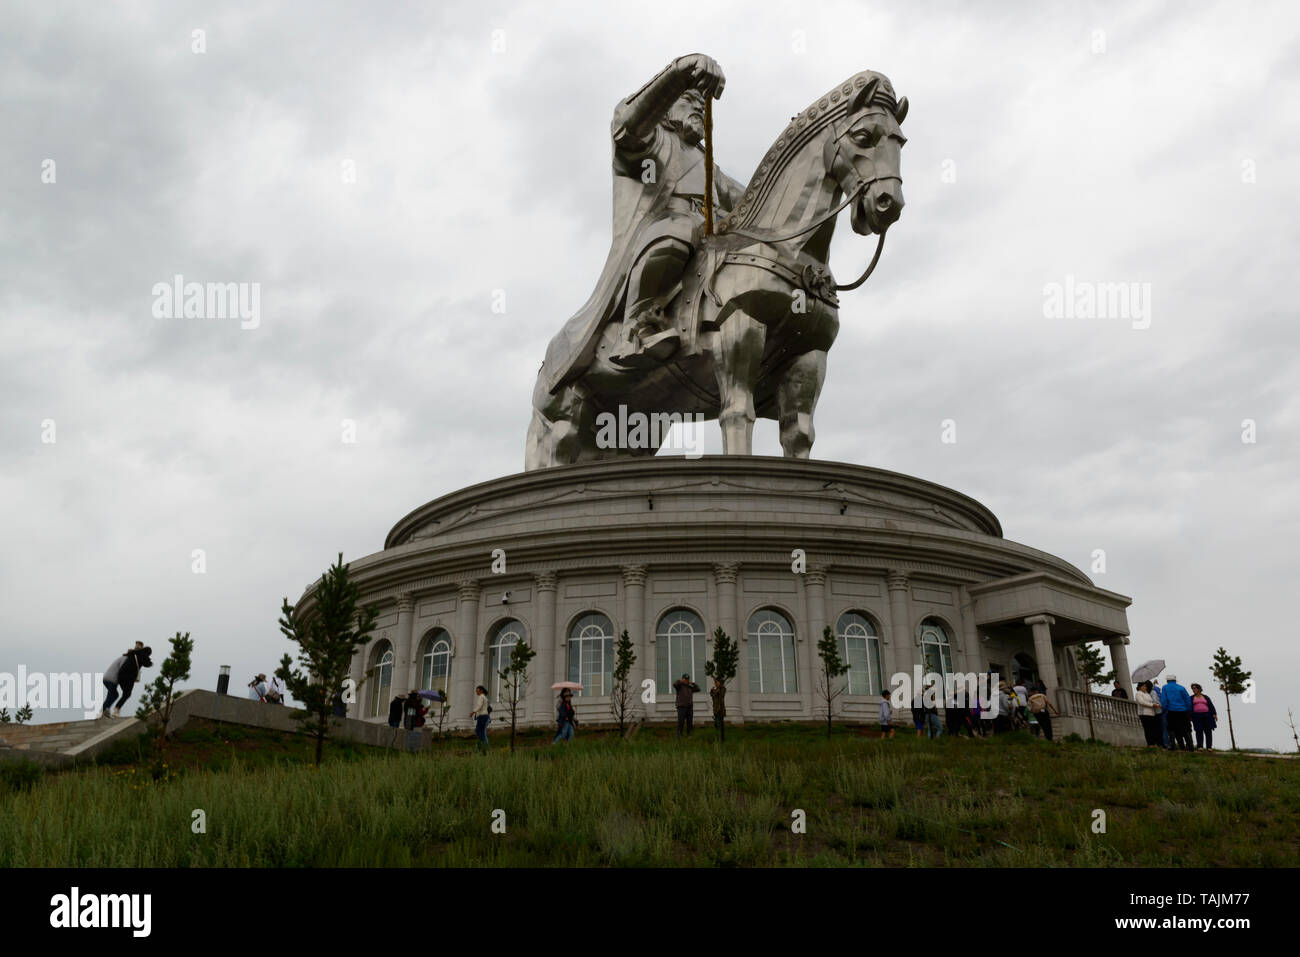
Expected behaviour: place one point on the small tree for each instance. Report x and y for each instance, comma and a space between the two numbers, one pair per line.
1091, 669
620, 702
337, 630
23, 714
833, 666
1290, 723
515, 679
722, 665
160, 694
1232, 680
4, 716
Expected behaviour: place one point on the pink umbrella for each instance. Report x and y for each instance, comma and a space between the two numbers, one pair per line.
571, 685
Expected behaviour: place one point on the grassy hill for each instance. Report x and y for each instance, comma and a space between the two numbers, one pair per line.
1010, 800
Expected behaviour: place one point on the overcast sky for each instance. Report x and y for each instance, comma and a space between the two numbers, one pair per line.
1113, 143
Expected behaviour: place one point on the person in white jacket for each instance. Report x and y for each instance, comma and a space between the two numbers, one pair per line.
1147, 714
481, 714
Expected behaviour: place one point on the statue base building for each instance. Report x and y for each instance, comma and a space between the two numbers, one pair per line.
908, 574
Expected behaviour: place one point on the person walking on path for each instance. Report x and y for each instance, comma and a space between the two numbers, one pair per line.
1178, 706
718, 694
1204, 718
110, 682
564, 717
1040, 707
686, 690
1147, 714
481, 714
128, 668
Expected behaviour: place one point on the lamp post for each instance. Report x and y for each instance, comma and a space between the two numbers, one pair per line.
223, 680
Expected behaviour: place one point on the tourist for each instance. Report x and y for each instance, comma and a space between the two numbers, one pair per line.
275, 690
1040, 707
718, 694
1021, 702
918, 713
257, 688
110, 681
414, 711
1204, 718
1119, 691
1147, 714
1161, 715
1002, 721
564, 717
686, 690
886, 715
933, 729
481, 714
395, 709
1178, 707
340, 706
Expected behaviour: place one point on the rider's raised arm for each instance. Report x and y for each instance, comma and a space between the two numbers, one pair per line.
636, 117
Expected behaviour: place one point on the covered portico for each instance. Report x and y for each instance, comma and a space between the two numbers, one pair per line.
1050, 615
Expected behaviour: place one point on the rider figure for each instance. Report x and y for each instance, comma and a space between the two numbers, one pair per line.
658, 134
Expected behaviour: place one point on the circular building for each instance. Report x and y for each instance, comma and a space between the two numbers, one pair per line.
911, 577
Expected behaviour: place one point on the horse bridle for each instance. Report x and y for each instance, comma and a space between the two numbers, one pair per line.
860, 187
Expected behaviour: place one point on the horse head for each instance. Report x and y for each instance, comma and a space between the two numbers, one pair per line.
862, 154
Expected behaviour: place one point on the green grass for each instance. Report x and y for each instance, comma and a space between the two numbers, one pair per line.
654, 801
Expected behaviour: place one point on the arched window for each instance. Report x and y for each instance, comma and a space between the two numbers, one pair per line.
860, 649
591, 654
679, 647
936, 648
503, 639
771, 654
380, 679
435, 662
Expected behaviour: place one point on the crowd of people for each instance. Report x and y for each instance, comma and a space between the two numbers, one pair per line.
1019, 705
1170, 714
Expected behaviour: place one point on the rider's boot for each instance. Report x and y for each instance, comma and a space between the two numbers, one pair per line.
648, 336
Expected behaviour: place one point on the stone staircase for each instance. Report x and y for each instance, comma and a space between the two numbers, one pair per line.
59, 741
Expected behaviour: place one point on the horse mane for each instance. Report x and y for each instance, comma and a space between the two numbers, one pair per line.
805, 128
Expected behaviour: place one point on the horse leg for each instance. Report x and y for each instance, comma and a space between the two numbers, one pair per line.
737, 350
796, 398
556, 428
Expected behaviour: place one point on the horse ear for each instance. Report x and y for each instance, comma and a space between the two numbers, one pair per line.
864, 95
900, 113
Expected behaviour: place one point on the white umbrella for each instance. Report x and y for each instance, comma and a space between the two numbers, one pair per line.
1148, 669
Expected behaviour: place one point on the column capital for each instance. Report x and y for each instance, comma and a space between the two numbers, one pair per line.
634, 575
1040, 620
896, 579
725, 572
546, 581
816, 575
469, 590
1113, 640
405, 602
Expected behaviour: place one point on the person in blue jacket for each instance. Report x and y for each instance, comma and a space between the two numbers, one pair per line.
1178, 705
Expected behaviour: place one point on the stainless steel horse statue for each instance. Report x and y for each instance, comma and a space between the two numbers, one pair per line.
743, 330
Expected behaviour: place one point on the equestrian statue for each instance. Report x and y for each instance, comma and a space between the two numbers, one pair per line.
717, 300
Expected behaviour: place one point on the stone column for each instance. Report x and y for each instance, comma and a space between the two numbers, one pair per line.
403, 645
814, 581
725, 575
634, 577
465, 670
542, 670
362, 691
1044, 653
1119, 659
900, 626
